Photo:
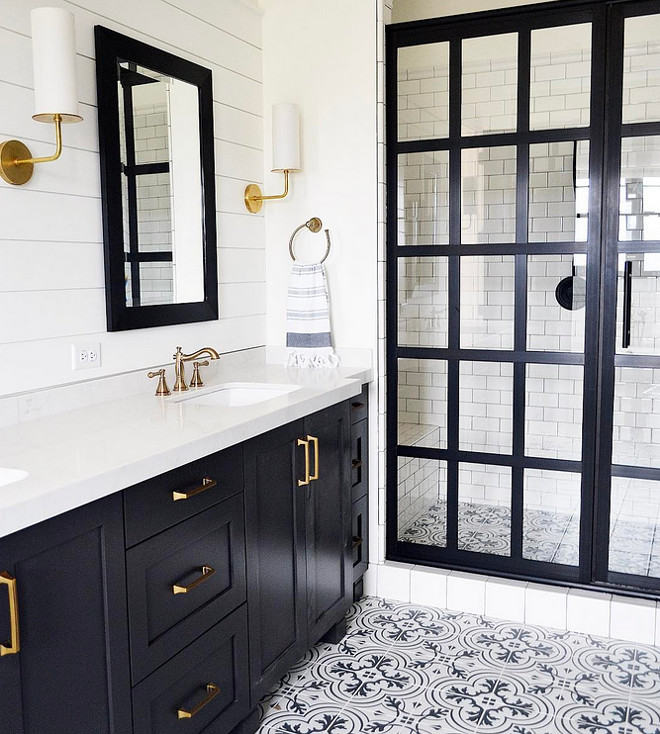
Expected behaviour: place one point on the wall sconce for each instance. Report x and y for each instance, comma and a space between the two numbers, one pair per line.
286, 153
55, 89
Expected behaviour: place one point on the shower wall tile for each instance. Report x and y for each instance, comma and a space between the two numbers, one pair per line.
429, 586
546, 605
633, 620
394, 581
588, 611
505, 599
466, 592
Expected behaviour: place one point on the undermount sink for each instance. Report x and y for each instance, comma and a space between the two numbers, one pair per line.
9, 476
238, 394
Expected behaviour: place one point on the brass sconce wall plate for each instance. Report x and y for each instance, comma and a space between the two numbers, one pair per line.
11, 171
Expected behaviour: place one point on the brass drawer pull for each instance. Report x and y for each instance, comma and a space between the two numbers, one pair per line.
356, 464
212, 691
207, 483
315, 441
14, 646
357, 541
207, 572
357, 405
305, 481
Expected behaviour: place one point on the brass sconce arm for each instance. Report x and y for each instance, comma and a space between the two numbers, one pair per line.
254, 198
16, 161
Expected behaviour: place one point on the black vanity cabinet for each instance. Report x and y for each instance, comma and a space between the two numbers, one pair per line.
360, 487
71, 673
298, 539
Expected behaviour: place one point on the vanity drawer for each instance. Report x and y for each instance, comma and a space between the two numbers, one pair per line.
181, 582
360, 405
166, 500
359, 459
209, 680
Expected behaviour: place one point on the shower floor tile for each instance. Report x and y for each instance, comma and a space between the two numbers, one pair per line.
410, 669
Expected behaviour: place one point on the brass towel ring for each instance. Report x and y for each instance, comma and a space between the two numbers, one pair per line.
313, 225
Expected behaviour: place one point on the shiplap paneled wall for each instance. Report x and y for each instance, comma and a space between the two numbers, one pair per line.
51, 252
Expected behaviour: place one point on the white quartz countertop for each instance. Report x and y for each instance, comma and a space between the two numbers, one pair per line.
82, 455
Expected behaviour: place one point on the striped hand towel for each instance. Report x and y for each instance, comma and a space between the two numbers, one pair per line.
308, 319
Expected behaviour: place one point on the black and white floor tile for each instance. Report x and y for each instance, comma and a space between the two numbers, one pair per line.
551, 537
409, 669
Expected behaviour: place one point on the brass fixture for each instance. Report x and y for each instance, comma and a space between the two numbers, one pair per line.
56, 100
14, 645
254, 199
179, 359
315, 441
207, 483
196, 380
206, 571
313, 225
162, 388
306, 480
212, 691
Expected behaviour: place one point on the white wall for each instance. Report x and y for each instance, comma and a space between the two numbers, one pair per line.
51, 254
322, 56
405, 10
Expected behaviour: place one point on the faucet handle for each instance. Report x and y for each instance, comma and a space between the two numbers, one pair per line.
196, 380
162, 388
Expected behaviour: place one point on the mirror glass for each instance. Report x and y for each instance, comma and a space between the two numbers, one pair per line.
161, 184
156, 139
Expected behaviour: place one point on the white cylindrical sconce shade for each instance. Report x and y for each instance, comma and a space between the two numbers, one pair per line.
54, 63
286, 137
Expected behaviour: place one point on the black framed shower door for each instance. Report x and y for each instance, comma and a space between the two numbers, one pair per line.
522, 248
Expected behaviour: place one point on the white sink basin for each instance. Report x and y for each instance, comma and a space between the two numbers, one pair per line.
8, 476
238, 394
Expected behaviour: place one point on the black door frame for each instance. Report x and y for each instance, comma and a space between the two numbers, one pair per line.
607, 23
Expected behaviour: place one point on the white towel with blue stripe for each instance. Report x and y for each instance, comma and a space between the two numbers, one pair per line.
308, 337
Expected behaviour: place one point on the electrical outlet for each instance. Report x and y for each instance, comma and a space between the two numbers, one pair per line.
85, 356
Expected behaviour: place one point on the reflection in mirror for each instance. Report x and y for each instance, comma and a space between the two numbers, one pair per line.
157, 164
161, 185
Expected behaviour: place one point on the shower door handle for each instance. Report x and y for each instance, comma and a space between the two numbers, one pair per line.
627, 302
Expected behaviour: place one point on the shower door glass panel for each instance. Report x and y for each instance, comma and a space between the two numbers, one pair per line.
486, 407
422, 301
639, 192
489, 84
488, 195
553, 411
638, 304
423, 199
641, 64
422, 501
484, 509
422, 398
635, 527
556, 299
423, 91
560, 84
636, 423
559, 191
487, 300
551, 516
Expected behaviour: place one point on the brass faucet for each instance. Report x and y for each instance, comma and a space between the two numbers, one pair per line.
180, 358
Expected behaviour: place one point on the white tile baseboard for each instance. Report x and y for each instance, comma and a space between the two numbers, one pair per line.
577, 610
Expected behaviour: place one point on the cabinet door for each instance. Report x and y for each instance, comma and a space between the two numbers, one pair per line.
71, 673
328, 521
275, 527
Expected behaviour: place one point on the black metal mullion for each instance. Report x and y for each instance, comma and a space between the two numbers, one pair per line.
454, 285
491, 355
516, 248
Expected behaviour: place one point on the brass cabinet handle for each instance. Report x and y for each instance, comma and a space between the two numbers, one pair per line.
315, 441
356, 464
207, 483
212, 691
357, 541
14, 645
305, 481
207, 572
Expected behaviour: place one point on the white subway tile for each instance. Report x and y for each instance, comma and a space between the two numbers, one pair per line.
505, 599
466, 592
394, 581
429, 586
546, 605
588, 611
633, 620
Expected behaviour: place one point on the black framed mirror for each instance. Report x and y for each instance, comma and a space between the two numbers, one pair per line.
155, 114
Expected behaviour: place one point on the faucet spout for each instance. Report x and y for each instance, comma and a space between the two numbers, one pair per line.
180, 358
